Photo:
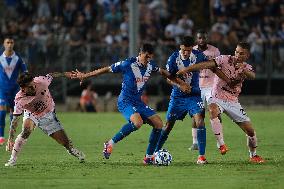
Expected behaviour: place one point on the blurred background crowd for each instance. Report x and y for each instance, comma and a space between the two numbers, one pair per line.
53, 35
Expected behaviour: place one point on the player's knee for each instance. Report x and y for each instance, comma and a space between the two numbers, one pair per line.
138, 123
213, 111
26, 132
250, 132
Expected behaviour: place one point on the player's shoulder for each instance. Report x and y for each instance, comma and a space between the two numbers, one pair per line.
129, 61
199, 54
173, 56
212, 48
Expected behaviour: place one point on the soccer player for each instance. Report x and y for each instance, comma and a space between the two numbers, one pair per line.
206, 76
225, 96
35, 100
136, 72
11, 64
182, 103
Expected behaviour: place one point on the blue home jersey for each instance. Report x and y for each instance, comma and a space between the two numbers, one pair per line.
135, 76
175, 63
10, 67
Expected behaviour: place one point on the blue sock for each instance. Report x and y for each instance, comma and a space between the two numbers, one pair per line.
124, 131
201, 139
2, 122
153, 140
163, 137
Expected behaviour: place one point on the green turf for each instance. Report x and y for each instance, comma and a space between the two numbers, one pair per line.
45, 164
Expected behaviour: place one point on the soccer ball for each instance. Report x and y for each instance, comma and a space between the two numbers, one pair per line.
163, 157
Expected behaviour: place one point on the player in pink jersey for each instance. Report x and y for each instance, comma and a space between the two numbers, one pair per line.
35, 101
225, 95
206, 76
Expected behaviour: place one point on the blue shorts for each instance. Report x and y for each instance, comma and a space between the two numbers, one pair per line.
179, 107
127, 108
7, 98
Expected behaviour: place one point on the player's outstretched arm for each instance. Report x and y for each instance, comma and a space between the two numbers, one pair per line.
195, 67
61, 74
175, 81
12, 132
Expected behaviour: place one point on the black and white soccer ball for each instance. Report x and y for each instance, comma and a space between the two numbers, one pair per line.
163, 157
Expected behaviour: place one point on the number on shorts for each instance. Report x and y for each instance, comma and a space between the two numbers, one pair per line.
243, 111
201, 105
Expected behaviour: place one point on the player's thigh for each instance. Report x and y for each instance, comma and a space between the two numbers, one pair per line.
49, 123
214, 108
28, 126
195, 107
236, 112
177, 109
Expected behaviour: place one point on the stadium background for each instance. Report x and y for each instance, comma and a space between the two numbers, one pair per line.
60, 35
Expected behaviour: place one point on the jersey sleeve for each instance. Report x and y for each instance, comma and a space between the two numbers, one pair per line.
119, 66
203, 58
170, 65
23, 65
219, 60
45, 80
155, 67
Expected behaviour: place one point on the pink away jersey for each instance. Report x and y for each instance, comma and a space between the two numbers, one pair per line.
206, 76
41, 103
220, 88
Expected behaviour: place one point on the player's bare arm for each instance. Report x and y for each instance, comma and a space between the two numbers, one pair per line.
13, 127
61, 74
195, 67
80, 75
175, 81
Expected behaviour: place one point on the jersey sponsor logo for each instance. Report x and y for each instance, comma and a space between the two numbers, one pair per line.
142, 79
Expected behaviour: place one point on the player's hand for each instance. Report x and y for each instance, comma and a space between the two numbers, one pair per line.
239, 65
185, 88
9, 145
181, 72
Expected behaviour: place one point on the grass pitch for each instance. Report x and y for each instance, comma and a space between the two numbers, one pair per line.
45, 164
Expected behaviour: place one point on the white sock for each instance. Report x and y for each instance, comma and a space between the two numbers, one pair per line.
111, 142
194, 135
19, 142
217, 129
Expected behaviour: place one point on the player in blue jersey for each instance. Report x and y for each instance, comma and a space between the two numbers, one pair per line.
11, 64
182, 103
136, 72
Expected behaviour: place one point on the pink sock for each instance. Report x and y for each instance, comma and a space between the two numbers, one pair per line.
19, 142
252, 144
194, 135
217, 129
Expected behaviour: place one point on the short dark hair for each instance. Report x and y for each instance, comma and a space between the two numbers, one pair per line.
244, 45
201, 31
187, 41
147, 48
24, 79
8, 37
